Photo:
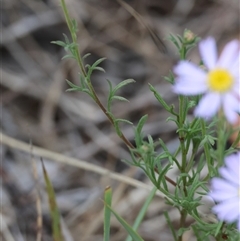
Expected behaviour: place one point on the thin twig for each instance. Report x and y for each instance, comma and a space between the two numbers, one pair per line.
16, 144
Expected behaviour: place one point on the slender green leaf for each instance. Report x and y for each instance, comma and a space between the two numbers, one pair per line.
71, 89
170, 225
170, 78
110, 85
68, 56
86, 55
159, 98
162, 173
55, 215
76, 88
99, 61
138, 130
71, 84
109, 100
116, 97
123, 83
107, 213
100, 69
219, 226
58, 42
142, 212
141, 123
66, 38
135, 236
123, 120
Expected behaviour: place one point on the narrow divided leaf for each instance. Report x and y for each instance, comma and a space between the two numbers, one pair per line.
159, 98
123, 120
116, 97
141, 123
123, 83
58, 42
74, 87
99, 61
100, 69
138, 130
68, 56
86, 55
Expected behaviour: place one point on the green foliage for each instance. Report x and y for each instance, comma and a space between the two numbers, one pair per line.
112, 92
168, 108
196, 139
184, 43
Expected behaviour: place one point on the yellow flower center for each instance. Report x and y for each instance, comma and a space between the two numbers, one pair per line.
220, 80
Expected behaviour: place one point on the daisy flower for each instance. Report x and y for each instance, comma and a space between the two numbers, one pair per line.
220, 84
225, 191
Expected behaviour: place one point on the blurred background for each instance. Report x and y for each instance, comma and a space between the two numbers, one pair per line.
36, 109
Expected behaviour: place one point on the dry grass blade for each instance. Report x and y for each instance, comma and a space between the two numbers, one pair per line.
158, 42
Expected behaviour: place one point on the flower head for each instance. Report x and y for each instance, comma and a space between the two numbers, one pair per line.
225, 191
220, 84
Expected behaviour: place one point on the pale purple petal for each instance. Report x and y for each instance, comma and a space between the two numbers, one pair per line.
190, 70
220, 184
227, 210
230, 107
236, 87
231, 115
227, 175
235, 72
233, 164
192, 80
226, 191
229, 55
218, 195
236, 93
208, 52
208, 105
234, 69
189, 87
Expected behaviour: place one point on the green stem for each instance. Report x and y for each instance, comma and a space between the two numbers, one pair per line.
221, 140
183, 52
181, 133
90, 86
182, 136
182, 116
74, 37
206, 147
190, 163
182, 221
83, 71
